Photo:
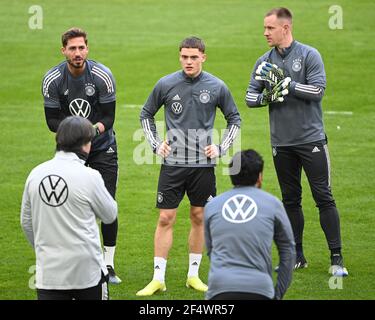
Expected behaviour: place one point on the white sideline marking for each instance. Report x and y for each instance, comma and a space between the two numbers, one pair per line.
340, 113
132, 106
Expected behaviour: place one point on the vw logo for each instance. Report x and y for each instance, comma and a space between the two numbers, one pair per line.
176, 107
80, 107
53, 190
239, 209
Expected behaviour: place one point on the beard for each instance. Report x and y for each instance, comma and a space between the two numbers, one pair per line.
75, 65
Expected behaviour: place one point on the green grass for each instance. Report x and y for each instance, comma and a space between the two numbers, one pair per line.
138, 40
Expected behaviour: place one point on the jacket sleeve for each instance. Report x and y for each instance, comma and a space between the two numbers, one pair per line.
315, 84
53, 118
102, 203
106, 85
51, 100
108, 111
284, 240
147, 116
254, 93
26, 217
232, 116
105, 82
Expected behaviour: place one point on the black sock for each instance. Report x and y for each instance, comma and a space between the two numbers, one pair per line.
299, 249
336, 251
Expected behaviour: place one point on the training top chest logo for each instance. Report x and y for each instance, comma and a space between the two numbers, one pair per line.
204, 97
53, 190
239, 209
80, 107
297, 64
89, 89
176, 107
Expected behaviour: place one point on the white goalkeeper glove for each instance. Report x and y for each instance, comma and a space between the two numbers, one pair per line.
270, 73
278, 92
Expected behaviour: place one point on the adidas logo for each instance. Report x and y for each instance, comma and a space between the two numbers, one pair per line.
316, 149
176, 98
210, 198
110, 150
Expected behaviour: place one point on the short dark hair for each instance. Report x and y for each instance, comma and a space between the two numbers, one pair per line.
281, 13
73, 133
245, 167
193, 42
73, 33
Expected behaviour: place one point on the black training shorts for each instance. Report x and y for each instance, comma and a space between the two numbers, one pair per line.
198, 182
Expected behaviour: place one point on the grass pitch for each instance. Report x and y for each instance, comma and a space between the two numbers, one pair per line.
139, 41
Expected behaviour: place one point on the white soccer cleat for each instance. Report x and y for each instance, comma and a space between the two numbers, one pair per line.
338, 271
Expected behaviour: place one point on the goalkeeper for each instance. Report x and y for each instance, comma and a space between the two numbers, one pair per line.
82, 87
291, 80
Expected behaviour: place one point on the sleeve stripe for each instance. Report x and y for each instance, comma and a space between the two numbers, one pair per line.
106, 83
306, 86
105, 77
311, 88
144, 125
49, 76
230, 138
308, 89
48, 83
149, 133
150, 137
252, 97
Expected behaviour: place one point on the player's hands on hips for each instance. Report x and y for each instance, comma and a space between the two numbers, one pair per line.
211, 151
164, 149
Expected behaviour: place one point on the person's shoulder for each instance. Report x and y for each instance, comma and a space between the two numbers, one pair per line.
265, 56
93, 173
54, 73
101, 75
174, 76
266, 196
98, 67
306, 49
40, 169
220, 199
170, 79
210, 77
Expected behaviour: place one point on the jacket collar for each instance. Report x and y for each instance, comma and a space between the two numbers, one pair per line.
286, 51
68, 156
192, 80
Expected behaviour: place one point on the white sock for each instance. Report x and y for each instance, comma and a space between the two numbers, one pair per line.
109, 254
160, 264
194, 263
